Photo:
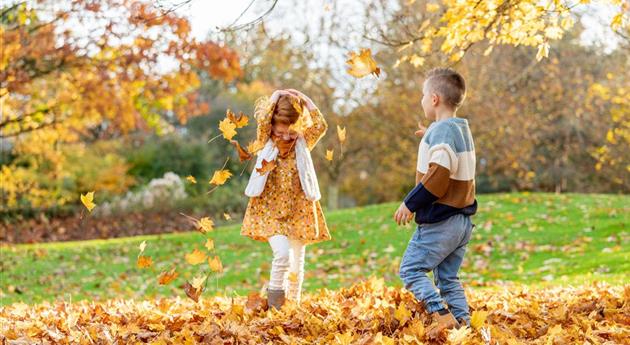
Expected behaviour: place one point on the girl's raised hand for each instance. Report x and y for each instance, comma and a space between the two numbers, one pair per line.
309, 103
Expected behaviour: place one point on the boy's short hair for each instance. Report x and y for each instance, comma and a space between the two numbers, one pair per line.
449, 84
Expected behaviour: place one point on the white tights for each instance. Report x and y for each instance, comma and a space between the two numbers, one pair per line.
287, 267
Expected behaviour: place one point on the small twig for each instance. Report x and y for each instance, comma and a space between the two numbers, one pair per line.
212, 139
190, 218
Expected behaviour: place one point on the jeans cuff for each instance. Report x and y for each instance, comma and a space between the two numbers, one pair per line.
434, 306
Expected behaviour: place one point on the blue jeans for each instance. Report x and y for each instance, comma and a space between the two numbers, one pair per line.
438, 247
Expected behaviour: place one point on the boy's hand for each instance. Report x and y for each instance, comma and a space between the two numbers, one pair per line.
421, 130
403, 216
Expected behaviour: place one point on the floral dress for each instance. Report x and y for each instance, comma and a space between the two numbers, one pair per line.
282, 208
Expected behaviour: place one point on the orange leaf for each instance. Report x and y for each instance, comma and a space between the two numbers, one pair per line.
215, 264
241, 121
144, 261
266, 166
167, 277
196, 257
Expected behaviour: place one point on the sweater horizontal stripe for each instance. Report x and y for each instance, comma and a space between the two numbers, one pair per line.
446, 164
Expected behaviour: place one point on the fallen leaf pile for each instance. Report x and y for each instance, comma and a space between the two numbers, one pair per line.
367, 313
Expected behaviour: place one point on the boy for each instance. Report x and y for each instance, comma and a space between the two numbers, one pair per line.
443, 201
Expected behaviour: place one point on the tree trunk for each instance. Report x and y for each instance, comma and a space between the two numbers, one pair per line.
333, 196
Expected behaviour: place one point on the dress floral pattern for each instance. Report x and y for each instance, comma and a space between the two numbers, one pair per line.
282, 208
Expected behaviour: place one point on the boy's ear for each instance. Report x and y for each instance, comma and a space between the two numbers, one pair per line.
435, 99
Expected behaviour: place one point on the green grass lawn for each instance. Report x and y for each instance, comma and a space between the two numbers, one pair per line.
524, 238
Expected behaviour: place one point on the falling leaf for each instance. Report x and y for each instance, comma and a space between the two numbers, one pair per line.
144, 261
362, 64
209, 244
543, 51
292, 277
227, 128
167, 276
198, 281
191, 179
341, 133
196, 257
266, 167
255, 146
205, 224
227, 216
329, 155
478, 318
220, 177
87, 200
215, 264
142, 246
192, 292
243, 155
241, 121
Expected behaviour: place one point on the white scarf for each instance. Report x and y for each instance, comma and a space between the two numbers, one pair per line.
306, 170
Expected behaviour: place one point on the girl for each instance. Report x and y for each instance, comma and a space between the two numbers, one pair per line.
284, 207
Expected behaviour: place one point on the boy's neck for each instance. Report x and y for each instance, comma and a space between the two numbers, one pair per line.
444, 113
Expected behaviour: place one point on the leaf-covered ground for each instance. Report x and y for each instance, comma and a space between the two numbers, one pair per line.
536, 239
366, 313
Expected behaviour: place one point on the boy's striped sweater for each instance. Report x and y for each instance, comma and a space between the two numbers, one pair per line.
446, 164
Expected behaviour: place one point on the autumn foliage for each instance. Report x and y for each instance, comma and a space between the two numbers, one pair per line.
366, 313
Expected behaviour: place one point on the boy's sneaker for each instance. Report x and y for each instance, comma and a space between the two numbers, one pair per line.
441, 320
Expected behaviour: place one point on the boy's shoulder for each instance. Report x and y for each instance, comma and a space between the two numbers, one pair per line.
454, 132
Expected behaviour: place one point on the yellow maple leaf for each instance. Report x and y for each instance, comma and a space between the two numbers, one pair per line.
362, 64
227, 216
196, 257
215, 264
478, 318
205, 224
87, 200
227, 128
198, 281
329, 155
191, 179
144, 261
209, 244
402, 314
341, 133
220, 177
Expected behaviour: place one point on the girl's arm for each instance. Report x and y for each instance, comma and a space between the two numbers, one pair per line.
315, 132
